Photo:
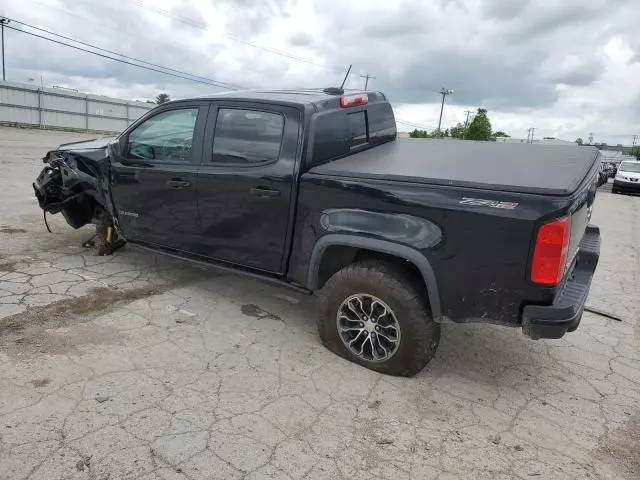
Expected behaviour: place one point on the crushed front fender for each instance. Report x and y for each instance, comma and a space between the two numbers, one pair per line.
76, 182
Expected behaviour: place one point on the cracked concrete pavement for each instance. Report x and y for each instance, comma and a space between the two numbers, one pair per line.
136, 366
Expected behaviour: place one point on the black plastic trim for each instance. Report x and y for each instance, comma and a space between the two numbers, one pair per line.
395, 249
211, 263
565, 313
626, 186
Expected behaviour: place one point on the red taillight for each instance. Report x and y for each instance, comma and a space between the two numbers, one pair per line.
550, 252
353, 100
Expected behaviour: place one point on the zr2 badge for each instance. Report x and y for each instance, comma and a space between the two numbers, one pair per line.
488, 203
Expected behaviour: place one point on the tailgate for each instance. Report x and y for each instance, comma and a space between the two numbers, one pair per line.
580, 212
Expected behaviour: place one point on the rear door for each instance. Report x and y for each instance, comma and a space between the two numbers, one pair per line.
155, 176
245, 183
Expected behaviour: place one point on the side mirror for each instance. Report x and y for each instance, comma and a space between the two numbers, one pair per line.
123, 143
118, 147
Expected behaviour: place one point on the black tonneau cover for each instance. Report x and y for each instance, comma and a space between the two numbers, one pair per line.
513, 167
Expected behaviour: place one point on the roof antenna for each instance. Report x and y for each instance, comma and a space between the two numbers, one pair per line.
338, 90
345, 77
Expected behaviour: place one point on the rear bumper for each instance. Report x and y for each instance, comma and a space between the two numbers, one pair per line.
564, 314
633, 187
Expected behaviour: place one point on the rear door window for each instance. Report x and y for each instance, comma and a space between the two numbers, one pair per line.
247, 137
357, 128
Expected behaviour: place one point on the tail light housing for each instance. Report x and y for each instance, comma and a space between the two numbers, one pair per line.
347, 101
550, 252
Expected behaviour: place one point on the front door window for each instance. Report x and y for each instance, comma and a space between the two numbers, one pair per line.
166, 137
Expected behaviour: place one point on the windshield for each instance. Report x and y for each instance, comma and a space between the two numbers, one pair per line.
630, 167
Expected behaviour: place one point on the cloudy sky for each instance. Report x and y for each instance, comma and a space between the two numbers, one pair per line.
565, 67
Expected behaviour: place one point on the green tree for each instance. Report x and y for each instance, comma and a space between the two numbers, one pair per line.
162, 98
500, 133
579, 141
421, 134
635, 151
457, 131
480, 127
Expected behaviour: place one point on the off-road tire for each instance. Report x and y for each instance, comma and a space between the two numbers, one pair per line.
420, 335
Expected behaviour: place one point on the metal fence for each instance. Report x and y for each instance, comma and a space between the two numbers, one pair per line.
29, 105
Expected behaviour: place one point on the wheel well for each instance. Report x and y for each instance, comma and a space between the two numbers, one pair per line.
336, 257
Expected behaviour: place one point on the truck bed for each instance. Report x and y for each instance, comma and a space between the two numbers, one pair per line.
512, 167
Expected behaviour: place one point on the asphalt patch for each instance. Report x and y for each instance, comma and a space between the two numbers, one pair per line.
251, 310
40, 382
34, 331
621, 448
7, 265
11, 230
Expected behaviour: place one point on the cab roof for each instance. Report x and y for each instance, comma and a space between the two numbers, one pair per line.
319, 97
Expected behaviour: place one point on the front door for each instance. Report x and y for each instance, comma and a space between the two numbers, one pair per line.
155, 177
245, 183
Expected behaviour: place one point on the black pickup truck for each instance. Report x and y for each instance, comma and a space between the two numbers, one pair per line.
312, 189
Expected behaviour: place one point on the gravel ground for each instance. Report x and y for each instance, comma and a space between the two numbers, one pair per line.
136, 366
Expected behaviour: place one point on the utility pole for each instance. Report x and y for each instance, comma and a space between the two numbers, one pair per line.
366, 76
444, 92
466, 122
3, 22
530, 134
633, 144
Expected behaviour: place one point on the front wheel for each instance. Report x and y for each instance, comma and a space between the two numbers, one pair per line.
375, 314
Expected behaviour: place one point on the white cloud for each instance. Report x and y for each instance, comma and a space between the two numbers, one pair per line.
566, 68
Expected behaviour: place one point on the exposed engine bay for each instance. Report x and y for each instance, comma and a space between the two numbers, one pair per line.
76, 182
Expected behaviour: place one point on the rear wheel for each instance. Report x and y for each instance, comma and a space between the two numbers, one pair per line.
375, 314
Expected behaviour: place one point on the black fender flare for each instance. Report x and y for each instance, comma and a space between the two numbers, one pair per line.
382, 246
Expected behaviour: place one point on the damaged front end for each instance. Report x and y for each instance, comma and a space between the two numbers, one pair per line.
76, 182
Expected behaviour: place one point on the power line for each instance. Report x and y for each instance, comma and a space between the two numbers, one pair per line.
189, 22
126, 56
409, 124
195, 24
178, 74
413, 124
201, 26
452, 112
110, 27
214, 83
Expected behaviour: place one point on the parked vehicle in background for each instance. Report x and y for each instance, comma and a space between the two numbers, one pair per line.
311, 189
603, 175
627, 179
609, 168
